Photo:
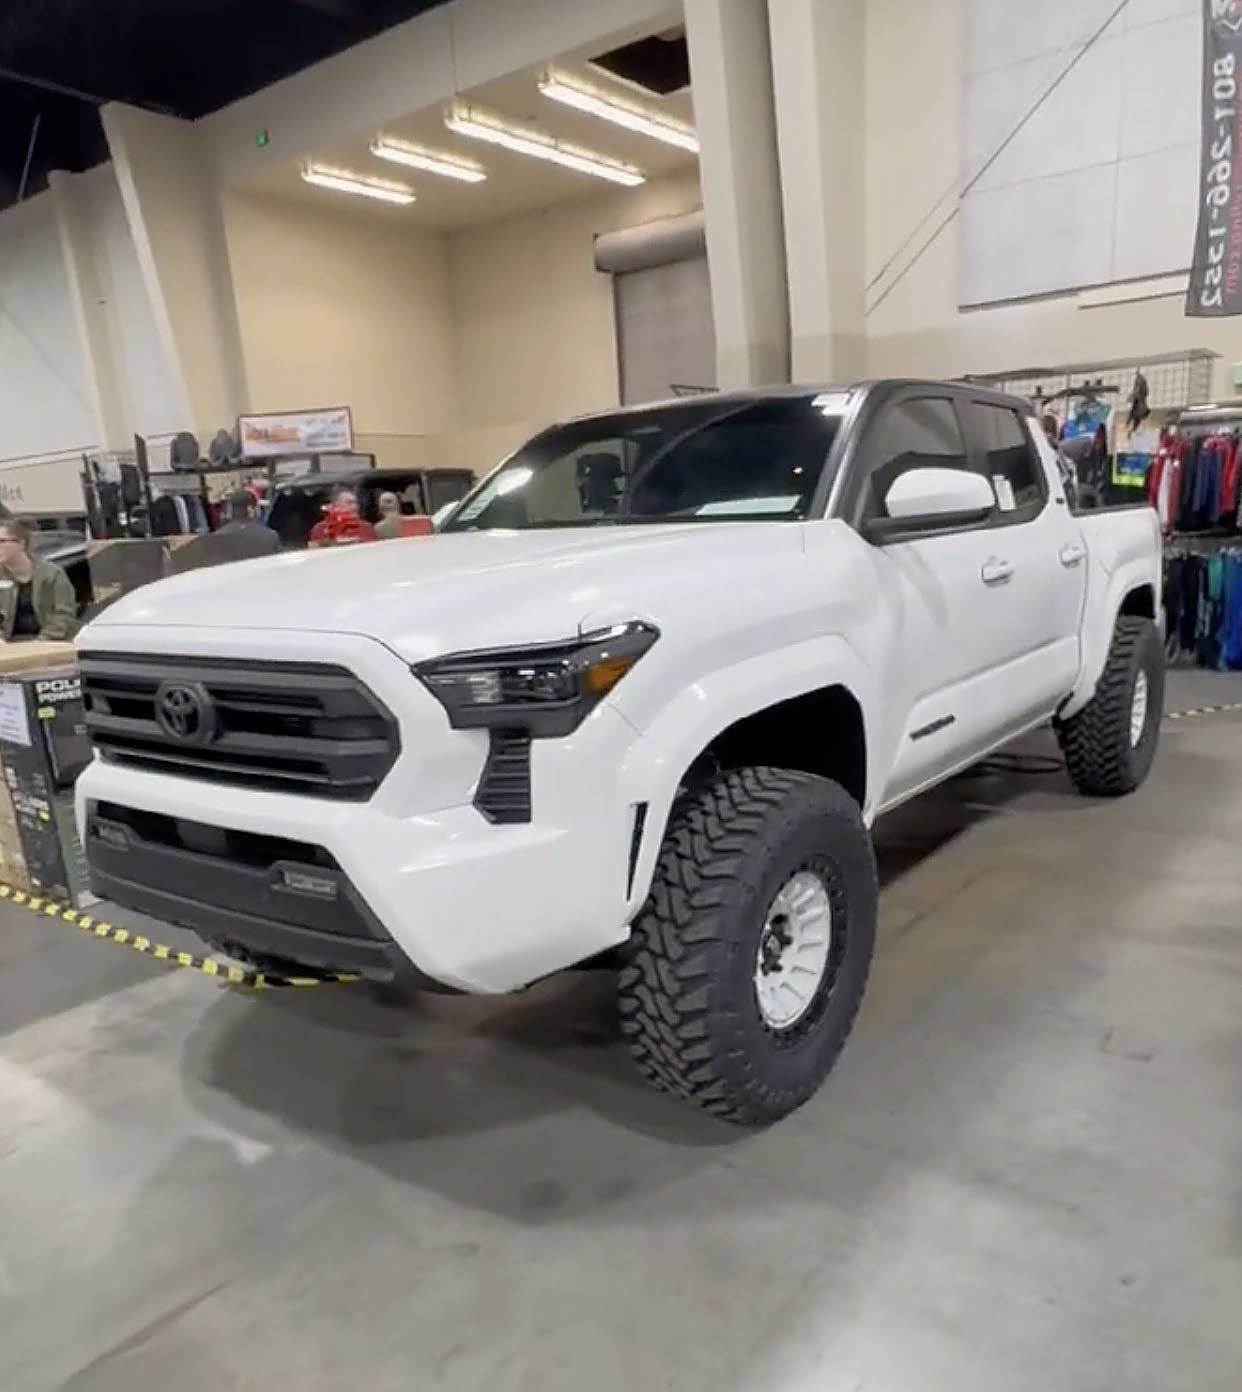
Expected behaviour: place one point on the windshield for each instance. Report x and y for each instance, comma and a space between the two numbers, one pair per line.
706, 462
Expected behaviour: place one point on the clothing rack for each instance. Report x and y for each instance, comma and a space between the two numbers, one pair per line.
1203, 602
1195, 479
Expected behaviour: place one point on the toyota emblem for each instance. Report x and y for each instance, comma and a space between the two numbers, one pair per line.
185, 712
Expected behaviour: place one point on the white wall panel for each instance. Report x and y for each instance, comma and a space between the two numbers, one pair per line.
992, 103
1156, 212
1022, 239
45, 404
1123, 120
152, 403
1140, 12
1075, 128
1160, 90
916, 80
1001, 33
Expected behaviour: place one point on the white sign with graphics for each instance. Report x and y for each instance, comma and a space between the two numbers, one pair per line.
42, 486
271, 435
14, 726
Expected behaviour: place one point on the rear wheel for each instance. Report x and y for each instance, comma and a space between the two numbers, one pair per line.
1110, 744
749, 959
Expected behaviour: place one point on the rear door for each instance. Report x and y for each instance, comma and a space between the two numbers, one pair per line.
1038, 538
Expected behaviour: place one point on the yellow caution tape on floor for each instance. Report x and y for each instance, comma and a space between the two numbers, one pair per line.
1203, 710
125, 937
268, 981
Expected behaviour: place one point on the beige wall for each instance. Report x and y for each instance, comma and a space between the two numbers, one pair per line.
535, 332
914, 64
449, 349
341, 308
174, 218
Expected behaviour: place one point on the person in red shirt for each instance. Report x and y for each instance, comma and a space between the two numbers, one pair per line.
341, 525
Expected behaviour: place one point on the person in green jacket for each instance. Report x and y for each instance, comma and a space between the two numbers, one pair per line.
36, 596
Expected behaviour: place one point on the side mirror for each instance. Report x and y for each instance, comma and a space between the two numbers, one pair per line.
929, 499
441, 516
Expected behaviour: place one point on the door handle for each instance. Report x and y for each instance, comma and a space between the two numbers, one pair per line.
1072, 553
995, 572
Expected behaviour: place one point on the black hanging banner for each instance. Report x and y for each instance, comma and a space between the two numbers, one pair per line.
1216, 273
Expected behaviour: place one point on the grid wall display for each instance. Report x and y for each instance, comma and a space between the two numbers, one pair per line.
1174, 381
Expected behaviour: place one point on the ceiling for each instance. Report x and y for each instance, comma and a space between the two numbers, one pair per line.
516, 183
60, 60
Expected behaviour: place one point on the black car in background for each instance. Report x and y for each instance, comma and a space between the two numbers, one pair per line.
299, 502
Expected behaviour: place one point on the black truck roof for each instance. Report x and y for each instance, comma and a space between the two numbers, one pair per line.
786, 390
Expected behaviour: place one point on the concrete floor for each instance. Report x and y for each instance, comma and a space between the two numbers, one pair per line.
1025, 1173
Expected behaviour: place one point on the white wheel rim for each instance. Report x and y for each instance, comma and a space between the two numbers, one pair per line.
793, 950
1138, 709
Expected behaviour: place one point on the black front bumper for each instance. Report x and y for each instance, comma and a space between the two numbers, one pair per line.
239, 890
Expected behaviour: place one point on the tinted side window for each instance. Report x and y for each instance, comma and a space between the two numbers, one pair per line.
1009, 461
917, 434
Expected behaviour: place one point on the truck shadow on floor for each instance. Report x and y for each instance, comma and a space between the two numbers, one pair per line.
913, 833
543, 1077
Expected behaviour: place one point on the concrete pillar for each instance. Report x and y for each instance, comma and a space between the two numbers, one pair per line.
732, 84
89, 297
176, 220
818, 77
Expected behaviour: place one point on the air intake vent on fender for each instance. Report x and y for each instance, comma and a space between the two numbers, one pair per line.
503, 793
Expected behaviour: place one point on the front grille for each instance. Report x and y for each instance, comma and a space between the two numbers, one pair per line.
282, 726
250, 848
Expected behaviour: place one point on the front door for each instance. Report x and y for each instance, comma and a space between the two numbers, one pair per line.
983, 640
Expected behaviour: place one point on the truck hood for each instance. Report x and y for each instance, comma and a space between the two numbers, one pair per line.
427, 596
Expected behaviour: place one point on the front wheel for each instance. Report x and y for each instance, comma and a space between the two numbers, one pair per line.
748, 962
1110, 744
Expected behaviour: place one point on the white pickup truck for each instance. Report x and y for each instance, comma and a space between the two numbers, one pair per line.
639, 701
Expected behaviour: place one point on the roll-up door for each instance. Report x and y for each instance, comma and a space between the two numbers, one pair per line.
666, 341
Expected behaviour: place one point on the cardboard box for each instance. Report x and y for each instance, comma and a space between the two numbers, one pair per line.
43, 748
33, 655
12, 858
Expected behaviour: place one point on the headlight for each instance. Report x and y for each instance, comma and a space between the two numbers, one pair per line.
547, 690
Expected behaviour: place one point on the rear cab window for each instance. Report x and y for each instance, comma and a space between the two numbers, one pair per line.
1009, 461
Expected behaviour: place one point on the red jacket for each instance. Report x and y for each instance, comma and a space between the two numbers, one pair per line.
330, 531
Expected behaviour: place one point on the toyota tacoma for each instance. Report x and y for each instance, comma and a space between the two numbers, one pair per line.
639, 701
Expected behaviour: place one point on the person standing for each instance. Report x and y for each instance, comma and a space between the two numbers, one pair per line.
389, 525
36, 596
341, 523
251, 537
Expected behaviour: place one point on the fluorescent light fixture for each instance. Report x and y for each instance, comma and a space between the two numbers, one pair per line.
570, 92
344, 182
481, 125
414, 157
